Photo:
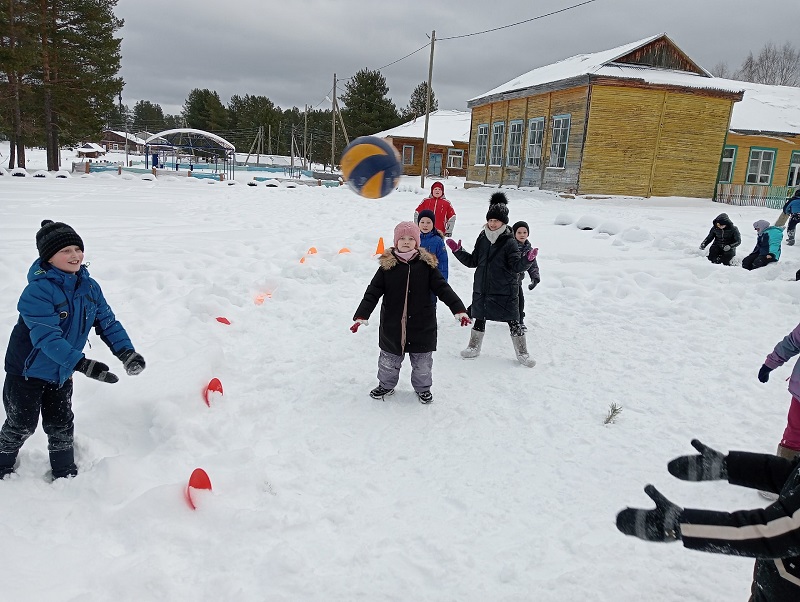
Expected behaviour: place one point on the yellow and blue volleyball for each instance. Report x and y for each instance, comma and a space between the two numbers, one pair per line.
371, 167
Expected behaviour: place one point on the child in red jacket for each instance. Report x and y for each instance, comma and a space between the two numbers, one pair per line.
445, 214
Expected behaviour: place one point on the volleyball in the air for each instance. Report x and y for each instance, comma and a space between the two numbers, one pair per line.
371, 167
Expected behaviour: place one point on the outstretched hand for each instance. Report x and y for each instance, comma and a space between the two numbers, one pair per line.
661, 524
96, 370
359, 322
710, 465
763, 373
533, 253
453, 245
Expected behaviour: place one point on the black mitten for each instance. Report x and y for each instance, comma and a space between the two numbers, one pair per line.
661, 524
96, 370
132, 361
532, 285
763, 373
710, 465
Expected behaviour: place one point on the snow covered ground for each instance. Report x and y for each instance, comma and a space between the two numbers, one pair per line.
505, 488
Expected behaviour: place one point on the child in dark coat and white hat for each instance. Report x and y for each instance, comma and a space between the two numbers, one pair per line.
406, 278
57, 309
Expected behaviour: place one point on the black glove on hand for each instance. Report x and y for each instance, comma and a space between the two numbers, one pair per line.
96, 370
661, 524
532, 285
763, 373
710, 465
132, 361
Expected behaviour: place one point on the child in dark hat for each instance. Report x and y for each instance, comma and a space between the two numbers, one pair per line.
521, 231
495, 289
57, 309
445, 216
432, 241
406, 278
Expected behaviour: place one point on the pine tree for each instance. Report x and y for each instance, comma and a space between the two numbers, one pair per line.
203, 110
148, 117
368, 110
417, 103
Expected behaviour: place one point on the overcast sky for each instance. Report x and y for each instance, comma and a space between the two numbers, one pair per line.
289, 51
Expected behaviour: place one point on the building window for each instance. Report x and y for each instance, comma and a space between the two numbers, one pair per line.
726, 167
535, 136
560, 139
759, 168
408, 154
481, 144
115, 146
498, 134
514, 143
455, 158
794, 170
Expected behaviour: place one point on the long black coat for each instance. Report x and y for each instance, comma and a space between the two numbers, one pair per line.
408, 315
729, 235
495, 288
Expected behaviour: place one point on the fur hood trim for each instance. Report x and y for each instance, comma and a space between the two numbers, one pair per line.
388, 259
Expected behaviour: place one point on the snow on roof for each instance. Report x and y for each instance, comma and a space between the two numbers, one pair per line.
444, 128
132, 137
602, 63
218, 139
766, 108
91, 147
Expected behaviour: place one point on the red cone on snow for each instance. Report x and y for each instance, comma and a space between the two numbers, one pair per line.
223, 320
198, 480
212, 390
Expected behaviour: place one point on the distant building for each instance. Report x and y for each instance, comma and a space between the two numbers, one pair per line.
90, 150
641, 119
448, 143
115, 141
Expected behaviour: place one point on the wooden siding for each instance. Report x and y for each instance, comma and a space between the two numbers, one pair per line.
785, 144
414, 169
647, 142
621, 138
661, 53
563, 102
692, 136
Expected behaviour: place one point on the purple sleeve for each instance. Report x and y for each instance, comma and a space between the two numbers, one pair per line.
785, 350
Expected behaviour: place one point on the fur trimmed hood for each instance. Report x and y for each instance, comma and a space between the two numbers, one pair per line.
388, 260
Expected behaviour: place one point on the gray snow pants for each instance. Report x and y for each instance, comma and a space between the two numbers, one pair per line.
421, 370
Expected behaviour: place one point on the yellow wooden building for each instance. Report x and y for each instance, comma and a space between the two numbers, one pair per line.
642, 120
761, 159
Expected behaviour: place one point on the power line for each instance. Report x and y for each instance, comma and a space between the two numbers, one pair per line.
555, 12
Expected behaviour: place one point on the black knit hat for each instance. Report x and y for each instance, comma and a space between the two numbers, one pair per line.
519, 225
54, 236
498, 208
427, 213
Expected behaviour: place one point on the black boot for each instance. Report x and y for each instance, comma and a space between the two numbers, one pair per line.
7, 461
63, 463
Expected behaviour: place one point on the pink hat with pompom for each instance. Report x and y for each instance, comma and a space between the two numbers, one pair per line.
406, 229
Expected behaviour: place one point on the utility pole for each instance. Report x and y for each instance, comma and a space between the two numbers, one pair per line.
126, 141
305, 135
427, 115
333, 123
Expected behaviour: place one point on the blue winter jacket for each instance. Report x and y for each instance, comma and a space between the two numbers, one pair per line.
433, 243
769, 242
792, 206
56, 312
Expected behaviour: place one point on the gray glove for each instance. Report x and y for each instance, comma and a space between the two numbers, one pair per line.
710, 465
702, 247
661, 524
96, 370
726, 248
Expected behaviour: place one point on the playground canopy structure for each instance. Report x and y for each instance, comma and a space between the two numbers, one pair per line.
196, 143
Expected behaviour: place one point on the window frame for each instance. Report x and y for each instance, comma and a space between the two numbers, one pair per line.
405, 146
732, 161
482, 144
556, 142
794, 163
514, 159
452, 153
759, 175
531, 160
498, 144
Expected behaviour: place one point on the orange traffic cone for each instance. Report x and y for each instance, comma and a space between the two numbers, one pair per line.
312, 251
343, 250
379, 250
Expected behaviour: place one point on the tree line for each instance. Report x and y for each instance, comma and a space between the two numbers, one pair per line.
773, 65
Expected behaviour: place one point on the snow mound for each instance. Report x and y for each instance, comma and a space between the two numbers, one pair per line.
19, 172
636, 234
611, 227
587, 222
563, 219
42, 173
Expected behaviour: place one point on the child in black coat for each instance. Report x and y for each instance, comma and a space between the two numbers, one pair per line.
406, 278
521, 230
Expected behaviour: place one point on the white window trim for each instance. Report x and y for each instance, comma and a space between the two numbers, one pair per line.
485, 145
405, 146
731, 160
530, 157
512, 159
794, 163
498, 143
555, 144
452, 154
759, 175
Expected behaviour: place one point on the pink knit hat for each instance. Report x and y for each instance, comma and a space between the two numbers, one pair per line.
406, 229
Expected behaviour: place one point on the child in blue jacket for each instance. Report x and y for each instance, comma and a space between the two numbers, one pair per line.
792, 209
432, 240
57, 309
768, 246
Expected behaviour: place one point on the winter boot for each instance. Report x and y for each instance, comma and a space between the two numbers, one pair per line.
380, 392
783, 452
63, 463
521, 349
474, 346
790, 238
425, 396
7, 464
